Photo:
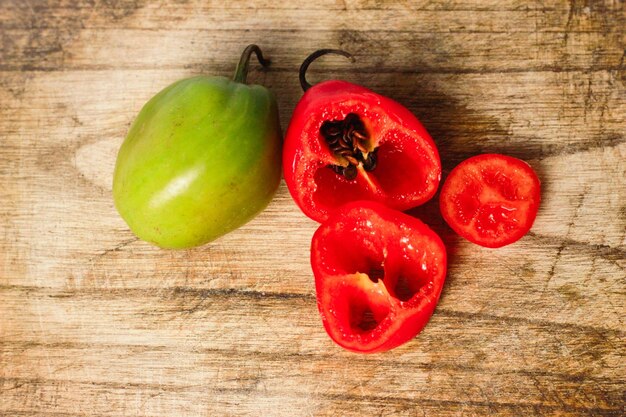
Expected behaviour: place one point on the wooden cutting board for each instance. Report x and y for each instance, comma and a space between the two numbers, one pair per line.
94, 322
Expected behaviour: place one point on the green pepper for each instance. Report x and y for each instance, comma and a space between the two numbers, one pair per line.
201, 159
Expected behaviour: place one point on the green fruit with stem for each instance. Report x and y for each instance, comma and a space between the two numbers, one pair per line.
201, 159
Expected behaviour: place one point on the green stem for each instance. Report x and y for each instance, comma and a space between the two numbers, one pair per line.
241, 73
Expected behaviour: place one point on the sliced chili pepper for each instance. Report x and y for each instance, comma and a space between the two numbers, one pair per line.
347, 143
378, 276
491, 199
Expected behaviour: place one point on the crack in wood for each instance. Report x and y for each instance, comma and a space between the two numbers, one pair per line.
116, 248
103, 293
563, 244
230, 354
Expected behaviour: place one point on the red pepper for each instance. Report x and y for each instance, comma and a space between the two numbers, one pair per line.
347, 143
491, 200
378, 276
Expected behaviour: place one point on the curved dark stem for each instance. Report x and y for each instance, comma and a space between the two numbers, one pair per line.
305, 65
241, 73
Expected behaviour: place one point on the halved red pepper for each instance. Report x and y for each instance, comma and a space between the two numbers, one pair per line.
378, 276
347, 143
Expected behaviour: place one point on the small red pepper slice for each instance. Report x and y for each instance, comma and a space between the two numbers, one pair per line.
378, 276
491, 199
347, 143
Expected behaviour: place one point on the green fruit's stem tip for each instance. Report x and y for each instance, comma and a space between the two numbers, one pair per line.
241, 73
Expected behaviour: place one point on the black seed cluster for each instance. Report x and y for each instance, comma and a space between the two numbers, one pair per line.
348, 139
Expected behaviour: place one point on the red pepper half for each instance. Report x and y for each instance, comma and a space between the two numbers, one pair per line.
491, 199
378, 276
347, 143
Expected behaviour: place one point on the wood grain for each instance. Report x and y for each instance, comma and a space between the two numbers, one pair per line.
94, 322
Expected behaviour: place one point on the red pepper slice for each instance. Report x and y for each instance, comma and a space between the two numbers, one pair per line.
378, 276
491, 199
347, 143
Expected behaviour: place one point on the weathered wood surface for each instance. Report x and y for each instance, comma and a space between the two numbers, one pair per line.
94, 322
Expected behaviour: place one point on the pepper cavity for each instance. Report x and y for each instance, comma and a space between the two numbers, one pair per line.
348, 140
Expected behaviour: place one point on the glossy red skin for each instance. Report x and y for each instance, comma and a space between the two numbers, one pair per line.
408, 171
358, 237
491, 199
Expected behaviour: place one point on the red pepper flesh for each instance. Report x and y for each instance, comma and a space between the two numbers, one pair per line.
491, 199
407, 171
378, 276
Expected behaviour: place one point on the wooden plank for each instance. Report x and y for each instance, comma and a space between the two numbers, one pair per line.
76, 7
152, 331
521, 108
510, 16
519, 118
46, 37
121, 400
374, 51
248, 321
